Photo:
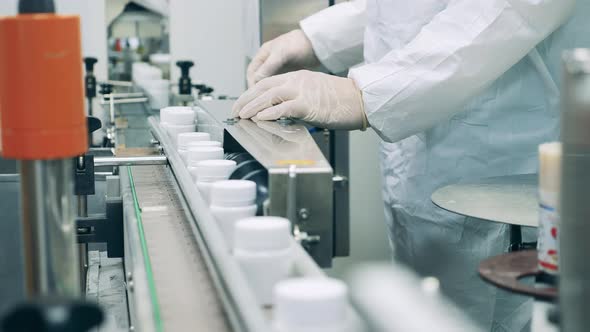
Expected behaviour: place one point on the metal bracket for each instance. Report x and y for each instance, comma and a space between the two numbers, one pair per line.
104, 228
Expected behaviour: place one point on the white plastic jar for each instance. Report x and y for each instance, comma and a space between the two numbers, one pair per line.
196, 154
315, 304
262, 248
158, 92
208, 172
180, 115
176, 120
232, 200
185, 139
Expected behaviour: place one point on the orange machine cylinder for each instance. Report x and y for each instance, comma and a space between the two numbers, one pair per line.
41, 87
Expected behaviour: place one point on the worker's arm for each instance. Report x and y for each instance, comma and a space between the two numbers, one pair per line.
458, 54
337, 33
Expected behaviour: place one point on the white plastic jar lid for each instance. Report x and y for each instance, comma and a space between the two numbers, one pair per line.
185, 139
208, 170
313, 301
203, 143
262, 233
179, 115
197, 154
174, 130
230, 193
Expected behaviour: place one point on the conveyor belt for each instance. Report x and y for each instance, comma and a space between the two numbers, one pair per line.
185, 292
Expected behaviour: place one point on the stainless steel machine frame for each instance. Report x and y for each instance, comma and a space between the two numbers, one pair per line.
301, 181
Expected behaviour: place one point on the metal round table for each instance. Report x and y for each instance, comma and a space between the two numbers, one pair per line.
506, 199
510, 200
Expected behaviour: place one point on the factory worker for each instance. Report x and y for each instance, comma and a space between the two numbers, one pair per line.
457, 90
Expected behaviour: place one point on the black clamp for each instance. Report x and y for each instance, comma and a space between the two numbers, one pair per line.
104, 228
184, 82
90, 79
203, 89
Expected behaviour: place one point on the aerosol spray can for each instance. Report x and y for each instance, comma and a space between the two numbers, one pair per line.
549, 222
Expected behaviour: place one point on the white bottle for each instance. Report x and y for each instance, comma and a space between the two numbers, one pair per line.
180, 115
208, 172
185, 140
549, 221
204, 143
316, 304
176, 120
158, 92
232, 200
262, 247
197, 154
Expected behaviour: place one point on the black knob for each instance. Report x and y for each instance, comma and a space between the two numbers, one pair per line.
185, 67
89, 63
53, 315
94, 124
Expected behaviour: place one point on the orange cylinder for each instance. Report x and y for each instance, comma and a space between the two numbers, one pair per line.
41, 87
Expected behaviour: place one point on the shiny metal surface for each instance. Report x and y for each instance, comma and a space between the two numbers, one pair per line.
510, 199
48, 223
574, 278
279, 146
130, 161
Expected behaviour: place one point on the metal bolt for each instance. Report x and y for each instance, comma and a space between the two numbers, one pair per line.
130, 286
129, 276
230, 121
304, 214
154, 141
131, 328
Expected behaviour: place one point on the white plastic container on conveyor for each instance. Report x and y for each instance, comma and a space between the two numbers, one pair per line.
186, 139
232, 200
262, 248
208, 172
176, 120
196, 154
158, 92
313, 304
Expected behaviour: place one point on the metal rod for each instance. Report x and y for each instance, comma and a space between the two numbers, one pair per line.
113, 101
130, 161
112, 110
49, 233
125, 95
120, 83
292, 196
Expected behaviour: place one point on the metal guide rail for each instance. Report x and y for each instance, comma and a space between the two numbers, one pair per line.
182, 274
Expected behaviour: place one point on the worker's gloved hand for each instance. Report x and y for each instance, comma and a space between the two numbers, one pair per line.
320, 99
288, 52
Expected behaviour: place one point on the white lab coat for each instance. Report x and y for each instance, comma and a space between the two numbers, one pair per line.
463, 89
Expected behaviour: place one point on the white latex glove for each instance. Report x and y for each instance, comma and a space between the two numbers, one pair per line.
287, 52
322, 100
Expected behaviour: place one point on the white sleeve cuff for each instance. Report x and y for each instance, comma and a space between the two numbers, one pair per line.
336, 34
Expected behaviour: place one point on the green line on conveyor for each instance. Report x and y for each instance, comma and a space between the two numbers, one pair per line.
146, 258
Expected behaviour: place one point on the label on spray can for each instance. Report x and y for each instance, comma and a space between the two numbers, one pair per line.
548, 244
